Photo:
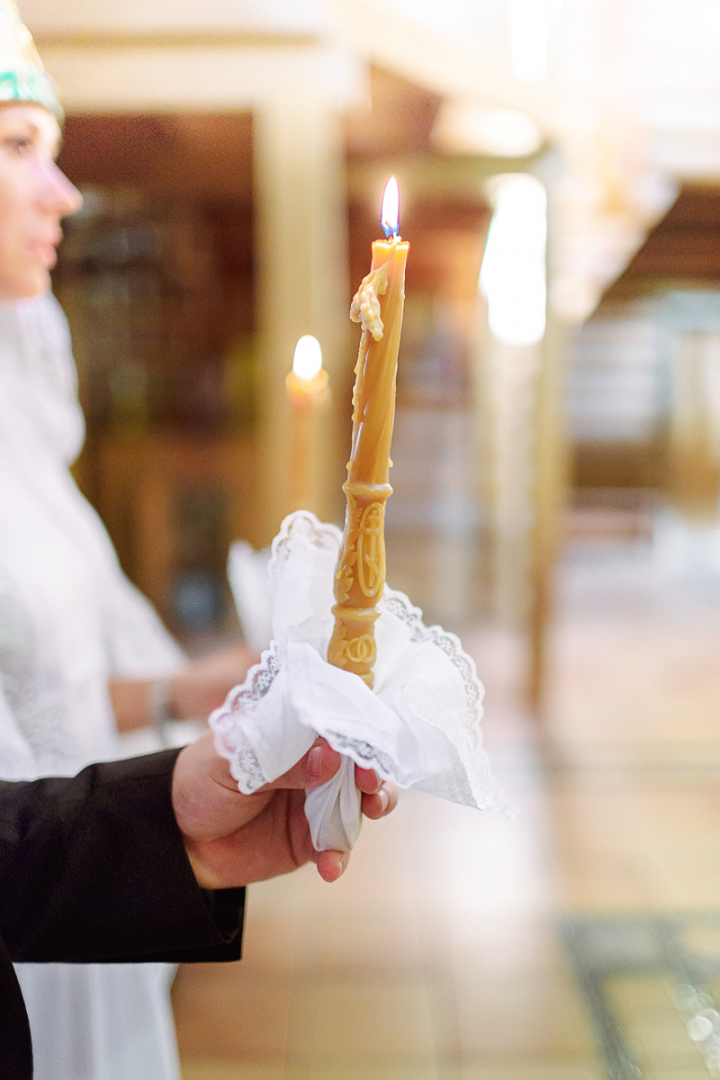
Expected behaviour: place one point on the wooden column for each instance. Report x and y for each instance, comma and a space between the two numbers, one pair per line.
508, 386
522, 456
301, 262
694, 428
550, 494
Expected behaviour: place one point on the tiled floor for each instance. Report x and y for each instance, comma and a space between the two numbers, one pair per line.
437, 956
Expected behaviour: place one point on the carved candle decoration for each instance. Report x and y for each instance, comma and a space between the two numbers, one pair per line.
308, 391
360, 572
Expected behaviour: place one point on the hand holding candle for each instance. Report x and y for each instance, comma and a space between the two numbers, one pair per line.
360, 573
388, 734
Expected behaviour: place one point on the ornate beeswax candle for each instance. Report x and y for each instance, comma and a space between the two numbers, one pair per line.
360, 572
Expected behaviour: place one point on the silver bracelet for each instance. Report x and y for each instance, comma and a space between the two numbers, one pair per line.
160, 708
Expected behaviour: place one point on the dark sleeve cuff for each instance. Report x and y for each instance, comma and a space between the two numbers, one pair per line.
100, 872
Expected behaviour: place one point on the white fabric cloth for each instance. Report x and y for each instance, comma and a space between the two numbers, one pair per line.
419, 727
68, 620
248, 577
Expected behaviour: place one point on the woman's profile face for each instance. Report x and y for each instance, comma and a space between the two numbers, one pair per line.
34, 196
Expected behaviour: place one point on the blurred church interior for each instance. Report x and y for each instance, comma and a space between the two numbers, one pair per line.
556, 474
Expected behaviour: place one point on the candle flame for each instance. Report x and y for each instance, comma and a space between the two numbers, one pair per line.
390, 216
307, 360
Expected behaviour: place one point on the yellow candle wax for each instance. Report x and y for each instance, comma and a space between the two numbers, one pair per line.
307, 389
360, 572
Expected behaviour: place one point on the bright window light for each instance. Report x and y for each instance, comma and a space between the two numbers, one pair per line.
512, 275
530, 22
468, 128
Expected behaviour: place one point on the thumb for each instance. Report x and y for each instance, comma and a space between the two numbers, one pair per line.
312, 770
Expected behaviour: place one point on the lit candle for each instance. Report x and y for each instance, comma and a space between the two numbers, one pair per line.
360, 572
307, 388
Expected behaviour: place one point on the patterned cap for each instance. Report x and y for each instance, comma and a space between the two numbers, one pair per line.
22, 75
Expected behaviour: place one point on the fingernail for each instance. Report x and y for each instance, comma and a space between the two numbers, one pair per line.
314, 763
384, 799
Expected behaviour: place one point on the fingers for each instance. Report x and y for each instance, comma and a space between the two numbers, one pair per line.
314, 769
377, 804
319, 765
378, 797
331, 864
367, 780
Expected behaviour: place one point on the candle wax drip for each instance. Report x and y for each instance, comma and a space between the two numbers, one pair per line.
365, 307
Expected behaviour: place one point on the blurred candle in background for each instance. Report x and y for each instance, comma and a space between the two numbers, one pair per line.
309, 394
360, 573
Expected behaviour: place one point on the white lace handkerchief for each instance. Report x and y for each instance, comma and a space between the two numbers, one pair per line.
419, 727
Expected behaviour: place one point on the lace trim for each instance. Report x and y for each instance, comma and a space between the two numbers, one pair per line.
305, 526
366, 756
466, 734
398, 604
301, 525
462, 728
230, 739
